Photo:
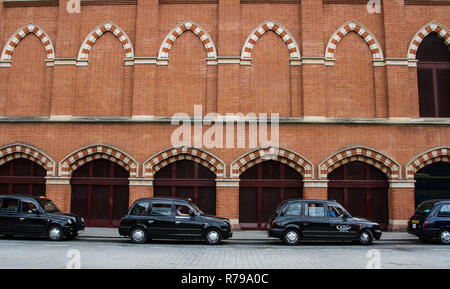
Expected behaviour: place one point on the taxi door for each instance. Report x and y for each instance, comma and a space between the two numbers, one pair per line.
340, 226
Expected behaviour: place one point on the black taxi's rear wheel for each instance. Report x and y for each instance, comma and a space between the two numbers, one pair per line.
291, 237
365, 237
444, 237
138, 235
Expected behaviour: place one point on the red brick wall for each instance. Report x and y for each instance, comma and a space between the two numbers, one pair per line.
352, 88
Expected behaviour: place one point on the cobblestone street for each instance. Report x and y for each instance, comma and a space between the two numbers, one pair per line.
232, 254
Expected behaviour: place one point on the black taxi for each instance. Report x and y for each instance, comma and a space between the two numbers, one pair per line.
36, 216
172, 218
431, 221
296, 220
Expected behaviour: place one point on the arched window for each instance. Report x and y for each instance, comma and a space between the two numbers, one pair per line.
433, 75
23, 177
432, 182
187, 179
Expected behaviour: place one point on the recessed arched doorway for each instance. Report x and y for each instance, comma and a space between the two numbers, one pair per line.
262, 187
100, 193
187, 179
22, 177
362, 189
432, 182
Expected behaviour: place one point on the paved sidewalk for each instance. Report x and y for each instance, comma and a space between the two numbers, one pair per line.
238, 235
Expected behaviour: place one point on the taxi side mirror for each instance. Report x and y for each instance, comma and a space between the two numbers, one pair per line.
192, 213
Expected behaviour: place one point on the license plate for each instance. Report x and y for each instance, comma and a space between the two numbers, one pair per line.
415, 221
414, 226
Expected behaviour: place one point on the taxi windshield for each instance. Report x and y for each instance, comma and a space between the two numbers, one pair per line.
196, 208
48, 205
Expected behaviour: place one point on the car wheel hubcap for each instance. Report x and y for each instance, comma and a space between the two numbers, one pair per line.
138, 235
445, 236
292, 237
55, 233
213, 236
364, 237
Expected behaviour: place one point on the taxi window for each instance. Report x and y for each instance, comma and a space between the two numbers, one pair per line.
294, 209
335, 212
182, 210
140, 208
161, 209
444, 211
316, 210
9, 205
28, 207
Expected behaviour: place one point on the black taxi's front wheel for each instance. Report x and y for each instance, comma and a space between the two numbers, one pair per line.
213, 237
55, 233
365, 237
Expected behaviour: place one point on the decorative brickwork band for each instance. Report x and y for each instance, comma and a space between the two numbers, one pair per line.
287, 37
285, 156
369, 38
363, 154
98, 31
440, 154
432, 27
178, 30
97, 151
24, 151
171, 155
17, 36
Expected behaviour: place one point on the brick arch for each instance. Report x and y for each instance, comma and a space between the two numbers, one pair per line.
287, 37
206, 39
285, 156
439, 154
364, 154
432, 27
97, 151
23, 31
171, 155
369, 38
97, 32
24, 151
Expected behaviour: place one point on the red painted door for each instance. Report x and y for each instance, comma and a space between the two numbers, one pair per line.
262, 188
362, 189
100, 193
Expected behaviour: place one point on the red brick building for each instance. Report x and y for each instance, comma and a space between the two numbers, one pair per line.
363, 99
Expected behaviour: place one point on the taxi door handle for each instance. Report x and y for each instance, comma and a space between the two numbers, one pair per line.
150, 221
22, 219
177, 222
